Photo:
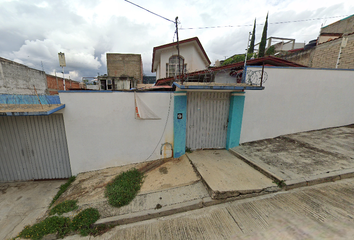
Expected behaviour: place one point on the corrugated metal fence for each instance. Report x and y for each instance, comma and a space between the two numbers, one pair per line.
33, 147
207, 119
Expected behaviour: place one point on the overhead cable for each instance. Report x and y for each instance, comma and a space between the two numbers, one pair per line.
250, 25
149, 11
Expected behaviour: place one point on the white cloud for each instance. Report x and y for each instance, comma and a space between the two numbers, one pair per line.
33, 32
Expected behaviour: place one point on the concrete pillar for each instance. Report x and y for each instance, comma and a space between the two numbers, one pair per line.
237, 101
179, 124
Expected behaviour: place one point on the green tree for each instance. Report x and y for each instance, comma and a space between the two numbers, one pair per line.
236, 59
262, 45
251, 48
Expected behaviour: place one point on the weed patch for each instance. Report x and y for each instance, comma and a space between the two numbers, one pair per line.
62, 226
280, 184
58, 225
84, 220
123, 189
62, 189
64, 207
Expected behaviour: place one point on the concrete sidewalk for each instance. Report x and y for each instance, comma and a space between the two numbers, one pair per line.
22, 203
226, 175
305, 158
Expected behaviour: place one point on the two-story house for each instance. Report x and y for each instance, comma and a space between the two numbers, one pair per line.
165, 61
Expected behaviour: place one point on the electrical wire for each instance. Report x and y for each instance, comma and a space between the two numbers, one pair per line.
149, 11
250, 25
164, 129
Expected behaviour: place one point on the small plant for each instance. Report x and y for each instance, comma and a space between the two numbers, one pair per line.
84, 220
64, 207
188, 150
58, 225
62, 189
123, 189
280, 183
100, 229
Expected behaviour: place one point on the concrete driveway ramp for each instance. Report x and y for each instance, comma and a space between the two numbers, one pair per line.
228, 176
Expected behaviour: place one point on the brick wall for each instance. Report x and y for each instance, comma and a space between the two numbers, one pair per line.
56, 83
326, 54
301, 57
16, 78
129, 65
345, 25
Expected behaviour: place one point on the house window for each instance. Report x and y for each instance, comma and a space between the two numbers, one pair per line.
172, 66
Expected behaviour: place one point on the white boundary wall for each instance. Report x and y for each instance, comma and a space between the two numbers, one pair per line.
102, 131
296, 100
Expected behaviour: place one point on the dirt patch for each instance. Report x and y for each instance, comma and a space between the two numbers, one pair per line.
163, 170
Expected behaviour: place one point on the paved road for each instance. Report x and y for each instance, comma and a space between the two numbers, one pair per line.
324, 211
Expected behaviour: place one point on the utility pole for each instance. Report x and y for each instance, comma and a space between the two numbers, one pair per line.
179, 59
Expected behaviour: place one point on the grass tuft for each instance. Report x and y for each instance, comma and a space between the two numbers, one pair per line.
62, 189
123, 189
64, 207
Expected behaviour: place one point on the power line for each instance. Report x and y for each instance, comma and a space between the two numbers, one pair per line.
250, 25
149, 11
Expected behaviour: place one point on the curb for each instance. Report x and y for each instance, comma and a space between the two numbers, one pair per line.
153, 213
177, 208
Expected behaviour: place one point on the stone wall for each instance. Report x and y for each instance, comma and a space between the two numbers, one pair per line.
125, 65
16, 78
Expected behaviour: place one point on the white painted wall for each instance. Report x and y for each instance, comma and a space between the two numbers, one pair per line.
191, 57
102, 131
298, 99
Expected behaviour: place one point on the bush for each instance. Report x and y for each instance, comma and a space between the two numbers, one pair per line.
123, 189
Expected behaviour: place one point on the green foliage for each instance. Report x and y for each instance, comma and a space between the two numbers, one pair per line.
188, 150
62, 189
58, 225
280, 183
251, 48
62, 226
237, 58
64, 207
100, 229
263, 42
83, 221
123, 189
270, 51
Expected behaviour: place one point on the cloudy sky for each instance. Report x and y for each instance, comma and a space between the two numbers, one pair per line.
32, 32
